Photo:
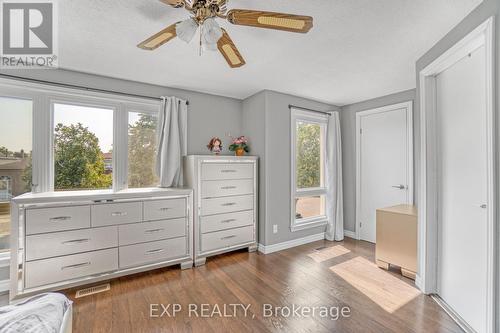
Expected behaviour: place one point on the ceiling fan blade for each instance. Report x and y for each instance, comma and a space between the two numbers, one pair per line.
159, 39
229, 51
174, 3
270, 20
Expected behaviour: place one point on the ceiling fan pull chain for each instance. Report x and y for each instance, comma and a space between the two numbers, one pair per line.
201, 33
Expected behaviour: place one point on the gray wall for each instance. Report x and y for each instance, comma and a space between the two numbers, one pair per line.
348, 128
208, 115
266, 118
253, 124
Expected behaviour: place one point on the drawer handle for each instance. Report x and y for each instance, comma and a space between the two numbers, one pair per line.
229, 204
155, 251
60, 218
76, 241
118, 213
164, 209
228, 170
228, 221
83, 264
152, 231
228, 237
228, 187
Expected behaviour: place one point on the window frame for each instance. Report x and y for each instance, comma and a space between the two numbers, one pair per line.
298, 115
45, 96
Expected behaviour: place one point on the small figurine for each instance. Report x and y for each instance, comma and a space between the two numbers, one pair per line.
215, 145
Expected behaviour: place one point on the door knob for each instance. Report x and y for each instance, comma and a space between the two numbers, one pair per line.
401, 187
483, 206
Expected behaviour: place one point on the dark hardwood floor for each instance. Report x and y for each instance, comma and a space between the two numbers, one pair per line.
320, 274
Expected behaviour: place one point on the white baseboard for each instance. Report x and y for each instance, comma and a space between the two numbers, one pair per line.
266, 249
418, 282
454, 315
350, 234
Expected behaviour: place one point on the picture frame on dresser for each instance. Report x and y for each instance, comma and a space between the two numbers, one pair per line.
66, 239
225, 202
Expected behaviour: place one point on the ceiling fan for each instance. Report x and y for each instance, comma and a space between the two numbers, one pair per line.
212, 36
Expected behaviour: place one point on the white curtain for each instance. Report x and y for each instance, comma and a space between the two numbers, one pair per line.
334, 202
171, 140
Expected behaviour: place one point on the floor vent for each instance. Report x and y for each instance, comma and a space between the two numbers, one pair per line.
320, 248
92, 290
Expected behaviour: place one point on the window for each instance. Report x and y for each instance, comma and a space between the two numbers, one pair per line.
15, 157
308, 169
142, 149
83, 140
83, 147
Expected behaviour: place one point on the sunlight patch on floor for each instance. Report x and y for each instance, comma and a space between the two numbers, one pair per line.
387, 291
328, 253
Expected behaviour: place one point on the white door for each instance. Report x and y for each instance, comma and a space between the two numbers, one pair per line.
462, 188
385, 152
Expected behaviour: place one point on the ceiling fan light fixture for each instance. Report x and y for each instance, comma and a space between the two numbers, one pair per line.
209, 46
212, 37
186, 29
212, 31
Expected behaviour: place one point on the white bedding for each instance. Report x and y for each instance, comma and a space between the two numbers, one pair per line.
43, 313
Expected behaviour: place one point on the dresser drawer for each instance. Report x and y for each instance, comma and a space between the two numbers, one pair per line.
145, 253
70, 242
220, 171
47, 271
116, 213
152, 231
227, 238
164, 209
41, 220
224, 188
226, 205
226, 221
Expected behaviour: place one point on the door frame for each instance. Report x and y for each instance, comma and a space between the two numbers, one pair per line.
409, 146
427, 275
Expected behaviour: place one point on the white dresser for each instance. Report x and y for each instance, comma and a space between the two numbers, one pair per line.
64, 239
225, 201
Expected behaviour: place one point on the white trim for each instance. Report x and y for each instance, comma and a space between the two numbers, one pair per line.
453, 314
350, 234
321, 120
409, 163
314, 222
427, 210
266, 249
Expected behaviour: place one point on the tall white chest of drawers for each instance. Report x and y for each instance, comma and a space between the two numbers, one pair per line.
225, 203
64, 239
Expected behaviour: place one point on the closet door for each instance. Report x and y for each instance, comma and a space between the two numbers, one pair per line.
462, 188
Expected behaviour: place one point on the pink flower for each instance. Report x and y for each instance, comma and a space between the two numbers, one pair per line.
240, 140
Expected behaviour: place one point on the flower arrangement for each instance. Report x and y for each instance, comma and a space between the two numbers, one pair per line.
239, 145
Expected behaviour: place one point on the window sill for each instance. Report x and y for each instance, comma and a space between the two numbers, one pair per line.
309, 223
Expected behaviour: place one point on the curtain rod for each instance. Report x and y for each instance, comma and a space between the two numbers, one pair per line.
290, 106
72, 86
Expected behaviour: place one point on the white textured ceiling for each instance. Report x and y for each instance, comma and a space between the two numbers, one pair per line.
358, 49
